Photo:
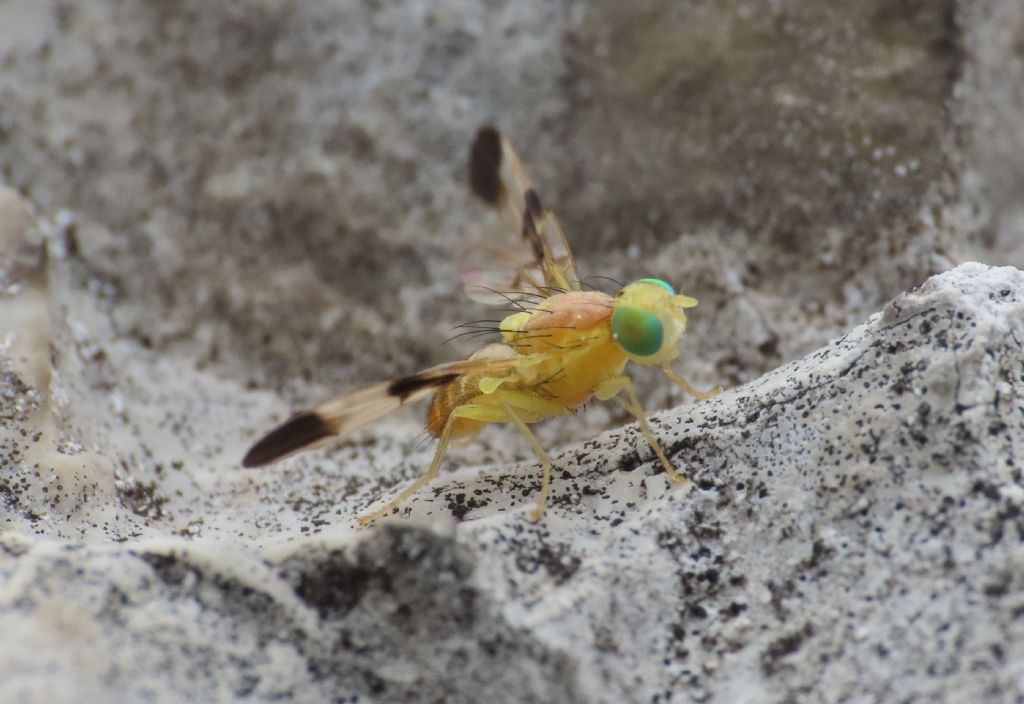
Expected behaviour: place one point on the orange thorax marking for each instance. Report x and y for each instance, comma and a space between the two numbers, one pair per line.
560, 321
564, 349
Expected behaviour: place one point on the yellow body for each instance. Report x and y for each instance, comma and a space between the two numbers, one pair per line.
562, 351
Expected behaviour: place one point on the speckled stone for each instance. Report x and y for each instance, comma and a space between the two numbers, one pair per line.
229, 211
858, 510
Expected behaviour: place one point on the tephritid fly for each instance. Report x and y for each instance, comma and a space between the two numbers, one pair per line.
563, 346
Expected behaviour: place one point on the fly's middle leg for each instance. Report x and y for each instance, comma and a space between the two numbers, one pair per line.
514, 407
500, 406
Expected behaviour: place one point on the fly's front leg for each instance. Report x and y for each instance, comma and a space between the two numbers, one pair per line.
688, 388
609, 390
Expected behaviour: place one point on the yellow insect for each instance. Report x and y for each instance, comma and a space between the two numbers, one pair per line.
564, 346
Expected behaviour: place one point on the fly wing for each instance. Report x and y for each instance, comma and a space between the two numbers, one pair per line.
349, 412
521, 250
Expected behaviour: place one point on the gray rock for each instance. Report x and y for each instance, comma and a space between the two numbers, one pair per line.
230, 210
856, 510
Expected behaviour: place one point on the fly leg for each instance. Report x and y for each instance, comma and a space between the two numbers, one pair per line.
688, 388
513, 405
609, 390
500, 407
435, 465
466, 411
545, 461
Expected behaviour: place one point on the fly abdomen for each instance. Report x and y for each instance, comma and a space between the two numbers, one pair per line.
448, 398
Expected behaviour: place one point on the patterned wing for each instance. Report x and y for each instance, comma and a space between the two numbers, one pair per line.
349, 412
522, 250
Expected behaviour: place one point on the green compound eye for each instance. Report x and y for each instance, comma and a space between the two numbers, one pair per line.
637, 331
659, 282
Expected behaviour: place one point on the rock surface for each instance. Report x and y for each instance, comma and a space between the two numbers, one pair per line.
859, 510
231, 210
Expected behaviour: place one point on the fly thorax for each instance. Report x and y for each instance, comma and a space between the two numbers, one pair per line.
562, 323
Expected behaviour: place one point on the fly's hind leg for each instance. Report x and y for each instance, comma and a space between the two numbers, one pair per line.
435, 466
501, 408
609, 390
466, 411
